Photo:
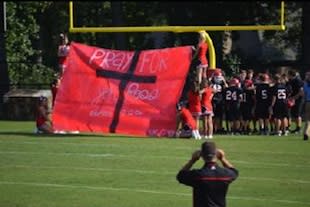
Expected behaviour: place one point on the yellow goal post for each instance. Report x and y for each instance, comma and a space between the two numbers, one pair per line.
177, 29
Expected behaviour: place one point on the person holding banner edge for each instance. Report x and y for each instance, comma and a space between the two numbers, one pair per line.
186, 124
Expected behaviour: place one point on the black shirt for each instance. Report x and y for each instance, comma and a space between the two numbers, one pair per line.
296, 84
281, 92
263, 94
232, 95
210, 184
218, 96
248, 97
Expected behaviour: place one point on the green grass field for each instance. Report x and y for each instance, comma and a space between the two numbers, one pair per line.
109, 171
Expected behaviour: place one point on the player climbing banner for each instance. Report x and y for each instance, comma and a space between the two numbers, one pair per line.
124, 92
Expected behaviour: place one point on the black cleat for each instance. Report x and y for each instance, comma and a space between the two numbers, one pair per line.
306, 137
296, 131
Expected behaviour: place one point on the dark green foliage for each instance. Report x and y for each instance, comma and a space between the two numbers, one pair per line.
33, 28
23, 50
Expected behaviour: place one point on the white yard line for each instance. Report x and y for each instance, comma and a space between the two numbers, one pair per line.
58, 153
144, 191
53, 142
109, 155
91, 169
151, 172
88, 154
260, 164
268, 200
276, 180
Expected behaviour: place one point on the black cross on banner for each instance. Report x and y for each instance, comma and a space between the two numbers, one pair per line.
124, 78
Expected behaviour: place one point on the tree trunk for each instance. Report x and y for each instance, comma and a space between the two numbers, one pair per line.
117, 20
4, 75
306, 35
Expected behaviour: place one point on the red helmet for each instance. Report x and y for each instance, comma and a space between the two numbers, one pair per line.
248, 82
290, 103
234, 81
265, 77
217, 72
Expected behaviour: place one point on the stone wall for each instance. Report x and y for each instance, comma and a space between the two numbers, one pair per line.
20, 104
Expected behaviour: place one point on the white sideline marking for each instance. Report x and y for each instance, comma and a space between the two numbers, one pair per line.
142, 191
261, 164
148, 172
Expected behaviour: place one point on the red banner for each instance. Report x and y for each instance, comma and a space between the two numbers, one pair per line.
124, 92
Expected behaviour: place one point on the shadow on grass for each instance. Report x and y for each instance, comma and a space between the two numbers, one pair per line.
31, 134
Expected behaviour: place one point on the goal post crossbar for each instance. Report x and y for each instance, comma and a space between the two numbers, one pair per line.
179, 29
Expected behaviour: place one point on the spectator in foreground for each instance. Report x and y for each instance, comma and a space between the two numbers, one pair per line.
210, 183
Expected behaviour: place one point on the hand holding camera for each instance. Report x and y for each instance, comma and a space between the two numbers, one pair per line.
196, 155
220, 154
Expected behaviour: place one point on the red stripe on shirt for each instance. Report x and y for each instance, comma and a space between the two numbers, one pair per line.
215, 178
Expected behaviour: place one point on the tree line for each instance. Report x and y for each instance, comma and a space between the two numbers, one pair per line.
33, 28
